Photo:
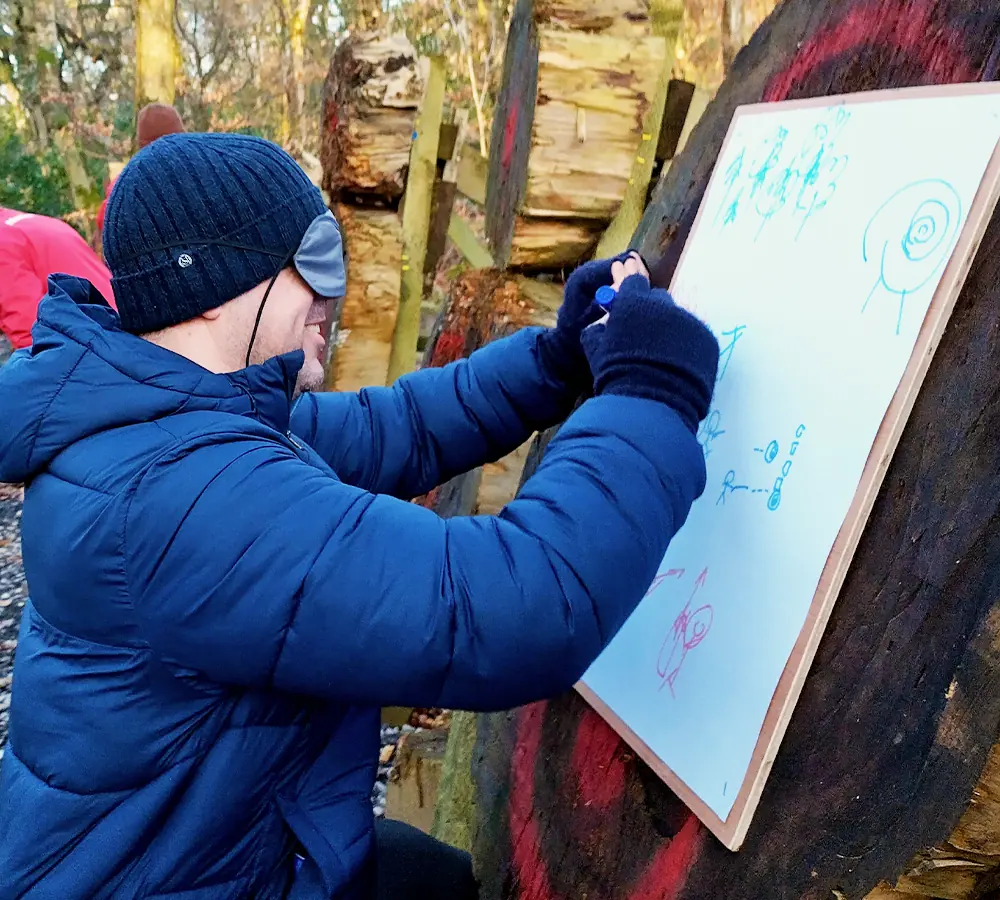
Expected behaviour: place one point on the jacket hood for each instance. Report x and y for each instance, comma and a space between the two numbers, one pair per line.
83, 375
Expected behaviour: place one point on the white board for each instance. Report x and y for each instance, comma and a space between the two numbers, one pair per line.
827, 254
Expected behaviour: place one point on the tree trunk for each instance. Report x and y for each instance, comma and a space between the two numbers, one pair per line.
893, 732
732, 31
13, 95
373, 243
155, 52
297, 46
292, 14
36, 44
370, 100
577, 86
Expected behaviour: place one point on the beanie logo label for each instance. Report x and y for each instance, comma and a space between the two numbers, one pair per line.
184, 260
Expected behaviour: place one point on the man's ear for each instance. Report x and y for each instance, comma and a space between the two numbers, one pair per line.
211, 314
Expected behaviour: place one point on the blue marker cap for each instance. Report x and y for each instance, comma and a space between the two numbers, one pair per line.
605, 295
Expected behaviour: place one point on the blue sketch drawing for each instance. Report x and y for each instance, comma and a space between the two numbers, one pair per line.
726, 352
793, 172
710, 430
910, 237
770, 454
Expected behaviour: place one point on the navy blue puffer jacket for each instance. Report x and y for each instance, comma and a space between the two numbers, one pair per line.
225, 589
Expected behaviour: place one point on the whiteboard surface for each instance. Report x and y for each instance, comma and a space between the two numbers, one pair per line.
822, 238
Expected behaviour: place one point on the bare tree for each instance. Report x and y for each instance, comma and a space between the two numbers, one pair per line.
485, 45
732, 31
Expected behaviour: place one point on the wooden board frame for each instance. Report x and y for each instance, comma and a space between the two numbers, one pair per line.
732, 830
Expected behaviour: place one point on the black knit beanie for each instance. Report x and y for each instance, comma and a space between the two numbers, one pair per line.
195, 220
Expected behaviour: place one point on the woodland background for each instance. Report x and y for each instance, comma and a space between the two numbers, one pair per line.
71, 74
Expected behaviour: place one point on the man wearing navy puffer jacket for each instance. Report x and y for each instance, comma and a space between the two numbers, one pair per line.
227, 582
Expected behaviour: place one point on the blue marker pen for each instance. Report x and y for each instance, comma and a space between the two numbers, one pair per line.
605, 295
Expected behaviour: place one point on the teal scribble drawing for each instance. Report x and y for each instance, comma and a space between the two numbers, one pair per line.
729, 486
759, 178
730, 204
770, 454
793, 172
709, 431
711, 428
726, 352
909, 237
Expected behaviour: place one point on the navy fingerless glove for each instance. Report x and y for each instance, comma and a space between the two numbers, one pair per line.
560, 349
652, 348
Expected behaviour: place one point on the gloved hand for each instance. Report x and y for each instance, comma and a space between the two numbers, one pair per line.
560, 346
650, 347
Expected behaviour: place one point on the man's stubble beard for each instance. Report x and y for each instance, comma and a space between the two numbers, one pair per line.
309, 381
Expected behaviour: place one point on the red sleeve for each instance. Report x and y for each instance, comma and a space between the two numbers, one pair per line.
20, 290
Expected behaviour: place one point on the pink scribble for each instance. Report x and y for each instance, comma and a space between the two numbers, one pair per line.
688, 631
670, 573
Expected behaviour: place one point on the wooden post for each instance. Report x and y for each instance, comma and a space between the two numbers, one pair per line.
454, 812
699, 103
445, 190
680, 94
463, 237
885, 780
471, 176
667, 16
416, 221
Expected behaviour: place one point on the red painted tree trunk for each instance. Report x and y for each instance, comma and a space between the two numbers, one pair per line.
902, 706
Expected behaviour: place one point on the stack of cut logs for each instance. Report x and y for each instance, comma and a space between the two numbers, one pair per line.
579, 78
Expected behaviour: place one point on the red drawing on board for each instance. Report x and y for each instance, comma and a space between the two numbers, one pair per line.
688, 631
670, 573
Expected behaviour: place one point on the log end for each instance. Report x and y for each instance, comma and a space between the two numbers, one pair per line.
371, 94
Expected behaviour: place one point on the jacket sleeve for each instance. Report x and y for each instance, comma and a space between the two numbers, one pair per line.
20, 291
248, 566
435, 423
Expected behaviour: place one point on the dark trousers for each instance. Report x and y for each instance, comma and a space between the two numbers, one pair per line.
412, 865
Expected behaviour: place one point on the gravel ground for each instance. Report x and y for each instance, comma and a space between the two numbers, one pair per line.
13, 592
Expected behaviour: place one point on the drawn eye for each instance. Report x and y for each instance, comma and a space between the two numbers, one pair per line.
928, 228
922, 230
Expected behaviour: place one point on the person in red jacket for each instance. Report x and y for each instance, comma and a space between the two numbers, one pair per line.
32, 247
155, 120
